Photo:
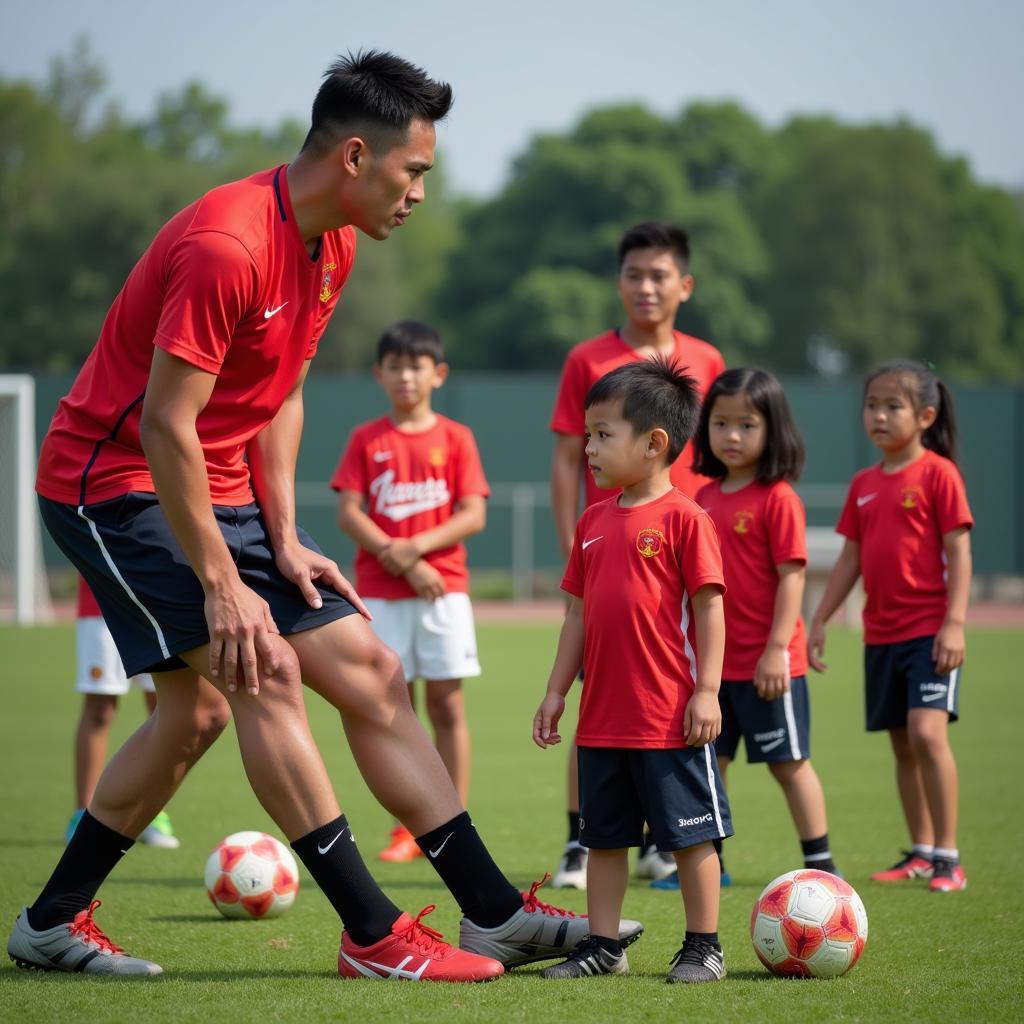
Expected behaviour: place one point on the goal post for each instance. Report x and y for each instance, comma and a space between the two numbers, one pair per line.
24, 592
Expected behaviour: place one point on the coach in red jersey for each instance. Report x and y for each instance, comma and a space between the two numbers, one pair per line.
167, 477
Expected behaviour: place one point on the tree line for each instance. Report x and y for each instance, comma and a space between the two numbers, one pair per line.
818, 247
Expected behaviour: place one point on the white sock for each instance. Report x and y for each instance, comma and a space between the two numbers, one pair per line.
928, 852
947, 854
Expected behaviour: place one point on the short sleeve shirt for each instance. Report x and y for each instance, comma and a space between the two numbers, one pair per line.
636, 570
899, 520
760, 527
591, 360
411, 483
227, 286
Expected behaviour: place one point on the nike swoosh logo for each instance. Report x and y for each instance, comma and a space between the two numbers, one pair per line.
586, 544
437, 852
268, 312
934, 696
381, 456
772, 745
324, 849
865, 498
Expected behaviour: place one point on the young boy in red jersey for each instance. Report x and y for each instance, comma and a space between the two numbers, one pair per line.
412, 489
646, 619
654, 281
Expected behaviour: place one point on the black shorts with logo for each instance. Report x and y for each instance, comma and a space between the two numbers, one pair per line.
773, 731
678, 792
901, 676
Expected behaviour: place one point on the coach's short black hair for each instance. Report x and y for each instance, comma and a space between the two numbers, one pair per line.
783, 455
410, 338
376, 95
657, 234
654, 393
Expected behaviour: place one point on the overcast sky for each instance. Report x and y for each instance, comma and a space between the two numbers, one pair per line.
536, 65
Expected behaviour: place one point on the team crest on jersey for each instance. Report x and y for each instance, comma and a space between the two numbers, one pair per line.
327, 287
437, 457
650, 541
910, 497
743, 521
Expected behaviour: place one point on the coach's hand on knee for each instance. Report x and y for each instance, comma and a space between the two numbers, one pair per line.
240, 626
305, 568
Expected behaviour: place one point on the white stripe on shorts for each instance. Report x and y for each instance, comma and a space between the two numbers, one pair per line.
787, 706
954, 678
120, 579
714, 790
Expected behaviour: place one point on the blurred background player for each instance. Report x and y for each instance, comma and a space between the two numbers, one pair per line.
907, 527
412, 490
645, 617
654, 281
747, 440
100, 677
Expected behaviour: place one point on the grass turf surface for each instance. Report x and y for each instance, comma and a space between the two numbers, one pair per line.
929, 957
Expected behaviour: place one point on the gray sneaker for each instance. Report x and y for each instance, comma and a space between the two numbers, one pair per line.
697, 961
588, 961
76, 947
537, 931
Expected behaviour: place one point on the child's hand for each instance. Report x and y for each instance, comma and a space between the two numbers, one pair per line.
545, 722
399, 556
948, 648
426, 581
771, 676
816, 647
702, 721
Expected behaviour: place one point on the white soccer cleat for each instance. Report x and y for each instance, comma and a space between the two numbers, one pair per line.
572, 869
537, 931
653, 864
77, 947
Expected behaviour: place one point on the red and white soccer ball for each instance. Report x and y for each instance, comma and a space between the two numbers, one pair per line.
809, 924
251, 875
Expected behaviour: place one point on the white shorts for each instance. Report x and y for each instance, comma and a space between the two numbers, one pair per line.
434, 639
99, 669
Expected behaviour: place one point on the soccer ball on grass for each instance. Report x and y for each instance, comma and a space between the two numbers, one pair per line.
809, 924
251, 875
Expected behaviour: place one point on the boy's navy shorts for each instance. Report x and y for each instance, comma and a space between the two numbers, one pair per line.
151, 599
773, 731
678, 792
901, 676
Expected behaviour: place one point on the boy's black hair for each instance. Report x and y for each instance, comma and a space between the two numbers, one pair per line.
654, 393
657, 234
376, 95
784, 453
410, 338
922, 386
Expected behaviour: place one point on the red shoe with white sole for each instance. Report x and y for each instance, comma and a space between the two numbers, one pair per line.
910, 867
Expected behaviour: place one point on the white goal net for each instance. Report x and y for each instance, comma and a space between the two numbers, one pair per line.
24, 593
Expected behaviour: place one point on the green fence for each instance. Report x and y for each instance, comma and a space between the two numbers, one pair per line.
509, 412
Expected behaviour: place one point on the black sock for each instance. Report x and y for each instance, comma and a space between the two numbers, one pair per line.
574, 827
817, 854
459, 856
612, 946
91, 855
709, 937
332, 858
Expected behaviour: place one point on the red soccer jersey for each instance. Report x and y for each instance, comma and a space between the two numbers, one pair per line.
228, 286
760, 526
899, 520
635, 569
591, 360
87, 605
411, 483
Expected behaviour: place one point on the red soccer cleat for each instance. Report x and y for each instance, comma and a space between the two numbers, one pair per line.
910, 867
413, 952
948, 877
402, 846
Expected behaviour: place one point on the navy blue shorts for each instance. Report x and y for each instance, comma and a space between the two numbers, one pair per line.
773, 731
678, 792
901, 676
151, 599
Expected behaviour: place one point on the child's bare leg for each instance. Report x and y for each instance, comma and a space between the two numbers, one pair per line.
447, 713
928, 736
607, 878
804, 795
700, 882
149, 696
98, 713
911, 789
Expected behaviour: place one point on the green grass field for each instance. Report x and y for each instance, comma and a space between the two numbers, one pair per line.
929, 957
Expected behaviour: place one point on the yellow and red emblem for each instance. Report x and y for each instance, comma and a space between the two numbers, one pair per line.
650, 541
743, 521
326, 289
437, 457
910, 496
